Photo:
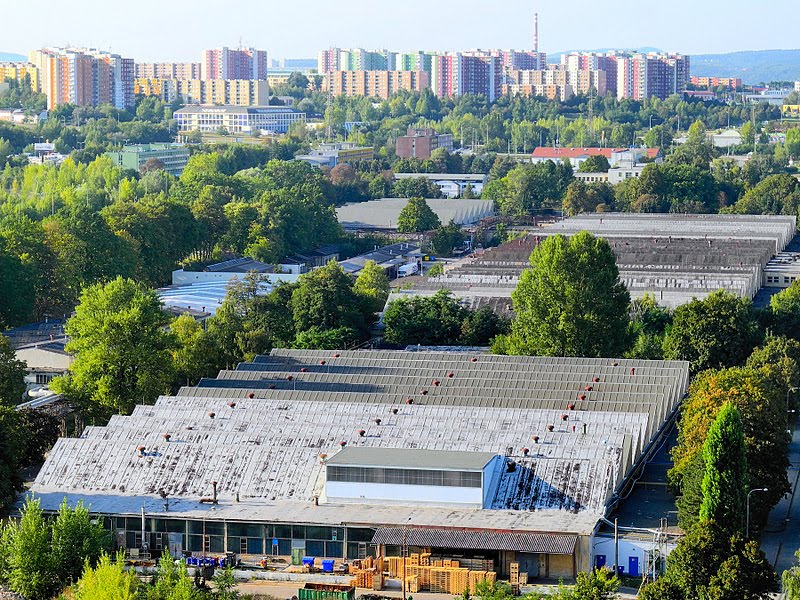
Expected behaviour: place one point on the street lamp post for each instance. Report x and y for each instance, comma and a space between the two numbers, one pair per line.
747, 526
789, 391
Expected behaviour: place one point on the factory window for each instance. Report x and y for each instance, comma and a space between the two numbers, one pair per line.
404, 476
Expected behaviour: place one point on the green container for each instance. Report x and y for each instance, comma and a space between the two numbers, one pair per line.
322, 591
297, 556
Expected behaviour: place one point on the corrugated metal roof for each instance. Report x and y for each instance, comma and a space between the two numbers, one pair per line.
429, 537
412, 459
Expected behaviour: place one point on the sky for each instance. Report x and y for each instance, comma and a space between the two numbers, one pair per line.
177, 30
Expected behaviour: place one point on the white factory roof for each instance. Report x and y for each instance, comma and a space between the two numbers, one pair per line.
268, 447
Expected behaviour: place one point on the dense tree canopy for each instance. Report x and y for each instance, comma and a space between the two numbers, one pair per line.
719, 331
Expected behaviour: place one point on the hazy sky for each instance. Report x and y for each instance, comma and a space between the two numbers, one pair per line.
150, 30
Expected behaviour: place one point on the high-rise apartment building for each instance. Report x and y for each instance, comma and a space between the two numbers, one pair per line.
18, 71
84, 77
456, 74
168, 70
228, 92
356, 59
634, 75
641, 76
238, 63
555, 84
376, 84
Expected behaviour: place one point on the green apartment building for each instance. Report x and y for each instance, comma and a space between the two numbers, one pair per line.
174, 157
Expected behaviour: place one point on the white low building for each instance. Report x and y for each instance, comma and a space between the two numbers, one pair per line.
237, 119
452, 185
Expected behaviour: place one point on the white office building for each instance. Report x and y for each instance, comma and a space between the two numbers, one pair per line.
237, 119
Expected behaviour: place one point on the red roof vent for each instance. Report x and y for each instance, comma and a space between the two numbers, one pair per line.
409, 401
337, 355
322, 362
141, 450
323, 456
450, 374
582, 397
379, 421
473, 359
212, 414
436, 382
564, 417
424, 392
525, 451
536, 439
166, 436
596, 380
395, 411
251, 395
232, 404
362, 432
343, 444
551, 427
633, 370
289, 377
614, 364
303, 369
588, 388
571, 406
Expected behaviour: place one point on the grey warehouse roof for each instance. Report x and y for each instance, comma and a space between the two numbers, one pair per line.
412, 459
383, 214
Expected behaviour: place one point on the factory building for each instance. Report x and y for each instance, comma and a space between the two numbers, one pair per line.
349, 454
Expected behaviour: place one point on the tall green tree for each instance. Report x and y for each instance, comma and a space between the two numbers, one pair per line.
28, 564
325, 299
373, 285
720, 331
12, 375
571, 301
76, 541
763, 409
725, 479
416, 217
109, 580
784, 310
121, 348
708, 563
446, 239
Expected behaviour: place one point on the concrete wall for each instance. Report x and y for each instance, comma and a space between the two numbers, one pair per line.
341, 491
632, 551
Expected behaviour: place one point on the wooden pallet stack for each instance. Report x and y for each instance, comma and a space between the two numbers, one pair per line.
412, 584
423, 573
440, 580
459, 581
513, 572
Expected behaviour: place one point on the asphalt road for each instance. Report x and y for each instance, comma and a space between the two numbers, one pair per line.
781, 537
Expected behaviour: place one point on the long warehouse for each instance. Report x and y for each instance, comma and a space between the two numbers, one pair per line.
346, 454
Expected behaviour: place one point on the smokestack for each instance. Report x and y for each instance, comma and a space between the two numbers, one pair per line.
536, 34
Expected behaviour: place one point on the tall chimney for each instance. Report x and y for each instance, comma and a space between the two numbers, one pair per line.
536, 35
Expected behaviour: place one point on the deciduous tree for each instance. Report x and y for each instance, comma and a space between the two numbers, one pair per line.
416, 217
571, 301
121, 348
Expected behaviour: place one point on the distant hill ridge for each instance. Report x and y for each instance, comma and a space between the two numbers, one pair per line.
752, 66
11, 57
